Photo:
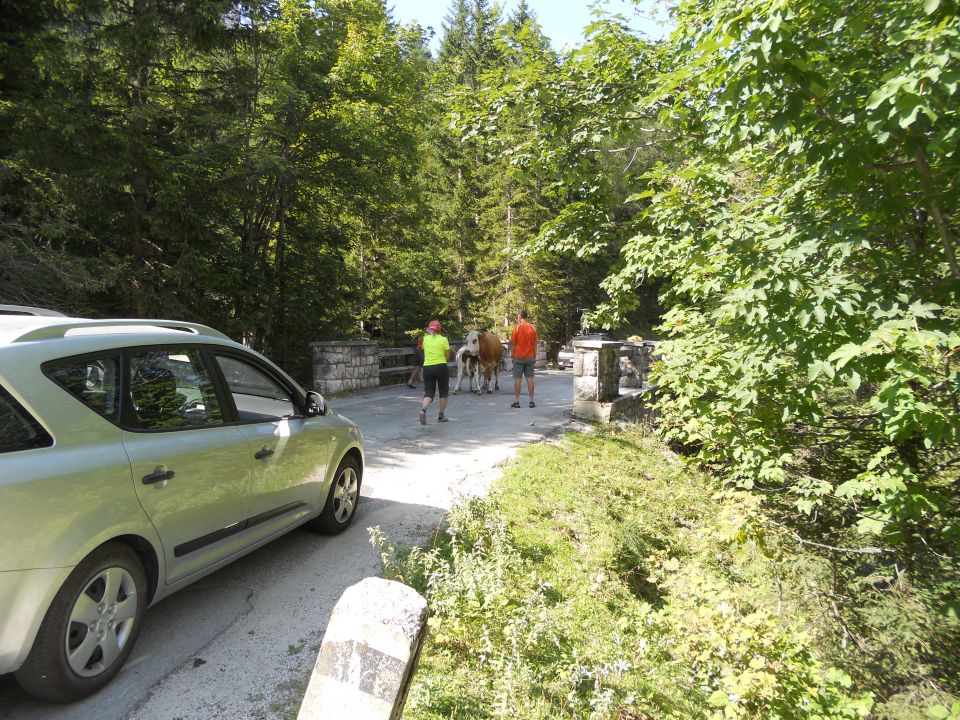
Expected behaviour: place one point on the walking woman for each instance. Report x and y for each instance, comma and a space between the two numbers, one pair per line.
436, 355
417, 365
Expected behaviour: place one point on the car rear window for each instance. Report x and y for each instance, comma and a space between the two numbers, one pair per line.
93, 380
19, 430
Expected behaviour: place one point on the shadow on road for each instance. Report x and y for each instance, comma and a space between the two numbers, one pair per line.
301, 570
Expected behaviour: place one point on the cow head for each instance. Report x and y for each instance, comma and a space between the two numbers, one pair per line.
472, 342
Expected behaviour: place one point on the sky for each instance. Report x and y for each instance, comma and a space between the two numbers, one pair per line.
562, 20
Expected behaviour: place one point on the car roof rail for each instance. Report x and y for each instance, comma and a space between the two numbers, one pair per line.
27, 310
80, 326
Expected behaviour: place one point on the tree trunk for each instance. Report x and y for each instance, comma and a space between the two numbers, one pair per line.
142, 249
946, 236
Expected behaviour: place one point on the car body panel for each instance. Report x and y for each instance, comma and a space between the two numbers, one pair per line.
84, 489
209, 493
25, 596
294, 472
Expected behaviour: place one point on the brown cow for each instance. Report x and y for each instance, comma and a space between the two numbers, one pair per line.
491, 353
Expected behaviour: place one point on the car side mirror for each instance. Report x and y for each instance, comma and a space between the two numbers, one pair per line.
315, 404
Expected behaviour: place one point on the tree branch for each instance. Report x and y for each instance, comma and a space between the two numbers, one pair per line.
833, 548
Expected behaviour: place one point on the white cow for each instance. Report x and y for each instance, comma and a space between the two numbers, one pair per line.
468, 361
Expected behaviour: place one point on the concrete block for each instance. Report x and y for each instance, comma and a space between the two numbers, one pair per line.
368, 654
585, 388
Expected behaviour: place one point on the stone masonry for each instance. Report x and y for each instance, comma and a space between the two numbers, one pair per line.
345, 365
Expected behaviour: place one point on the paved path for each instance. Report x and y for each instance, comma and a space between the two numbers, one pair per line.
241, 642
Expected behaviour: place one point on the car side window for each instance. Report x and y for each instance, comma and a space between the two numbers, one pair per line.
94, 381
19, 430
257, 395
171, 388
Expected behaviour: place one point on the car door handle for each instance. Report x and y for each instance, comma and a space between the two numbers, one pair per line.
261, 454
158, 475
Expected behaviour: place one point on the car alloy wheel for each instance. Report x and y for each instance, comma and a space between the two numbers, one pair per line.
101, 622
345, 490
90, 627
342, 500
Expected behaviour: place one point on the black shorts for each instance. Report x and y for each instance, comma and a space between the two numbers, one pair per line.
418, 357
434, 376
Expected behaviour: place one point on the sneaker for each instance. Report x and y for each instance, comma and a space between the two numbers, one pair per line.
532, 404
410, 386
514, 404
442, 418
423, 417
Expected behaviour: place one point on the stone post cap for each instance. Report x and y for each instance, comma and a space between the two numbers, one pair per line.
342, 343
596, 344
390, 612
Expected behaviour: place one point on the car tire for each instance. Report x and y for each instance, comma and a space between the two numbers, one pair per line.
90, 627
342, 500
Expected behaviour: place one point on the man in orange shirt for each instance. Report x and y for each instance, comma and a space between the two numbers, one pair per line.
524, 340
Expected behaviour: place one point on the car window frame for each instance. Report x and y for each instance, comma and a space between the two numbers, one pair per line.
296, 398
127, 410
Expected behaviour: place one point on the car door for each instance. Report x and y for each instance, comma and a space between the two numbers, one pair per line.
289, 452
191, 470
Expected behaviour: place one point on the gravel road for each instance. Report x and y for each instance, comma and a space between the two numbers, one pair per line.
241, 643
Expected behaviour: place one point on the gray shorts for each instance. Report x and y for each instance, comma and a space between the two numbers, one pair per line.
523, 366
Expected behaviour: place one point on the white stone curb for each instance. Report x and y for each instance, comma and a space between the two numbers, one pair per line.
368, 653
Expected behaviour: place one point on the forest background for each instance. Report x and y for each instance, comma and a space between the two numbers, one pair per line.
775, 187
283, 171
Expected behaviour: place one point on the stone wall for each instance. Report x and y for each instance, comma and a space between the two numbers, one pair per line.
347, 365
340, 365
635, 361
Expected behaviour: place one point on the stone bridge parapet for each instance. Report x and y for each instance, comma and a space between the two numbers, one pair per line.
350, 365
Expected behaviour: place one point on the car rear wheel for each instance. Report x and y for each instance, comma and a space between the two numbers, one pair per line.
342, 501
89, 629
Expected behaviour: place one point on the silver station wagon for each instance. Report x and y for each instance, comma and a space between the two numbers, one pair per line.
137, 456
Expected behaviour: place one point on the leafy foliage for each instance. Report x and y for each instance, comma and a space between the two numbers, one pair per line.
801, 215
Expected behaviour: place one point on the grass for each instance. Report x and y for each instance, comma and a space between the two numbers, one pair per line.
603, 578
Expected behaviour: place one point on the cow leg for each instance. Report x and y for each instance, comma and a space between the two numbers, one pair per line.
459, 385
477, 375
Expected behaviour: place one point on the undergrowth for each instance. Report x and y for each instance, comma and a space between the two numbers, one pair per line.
603, 578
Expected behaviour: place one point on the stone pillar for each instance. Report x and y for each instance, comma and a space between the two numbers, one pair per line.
345, 365
596, 371
541, 362
506, 364
631, 364
368, 654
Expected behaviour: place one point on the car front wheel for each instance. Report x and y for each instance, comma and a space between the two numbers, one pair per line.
89, 629
341, 504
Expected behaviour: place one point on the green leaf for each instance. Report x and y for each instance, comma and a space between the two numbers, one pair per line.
718, 699
930, 7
